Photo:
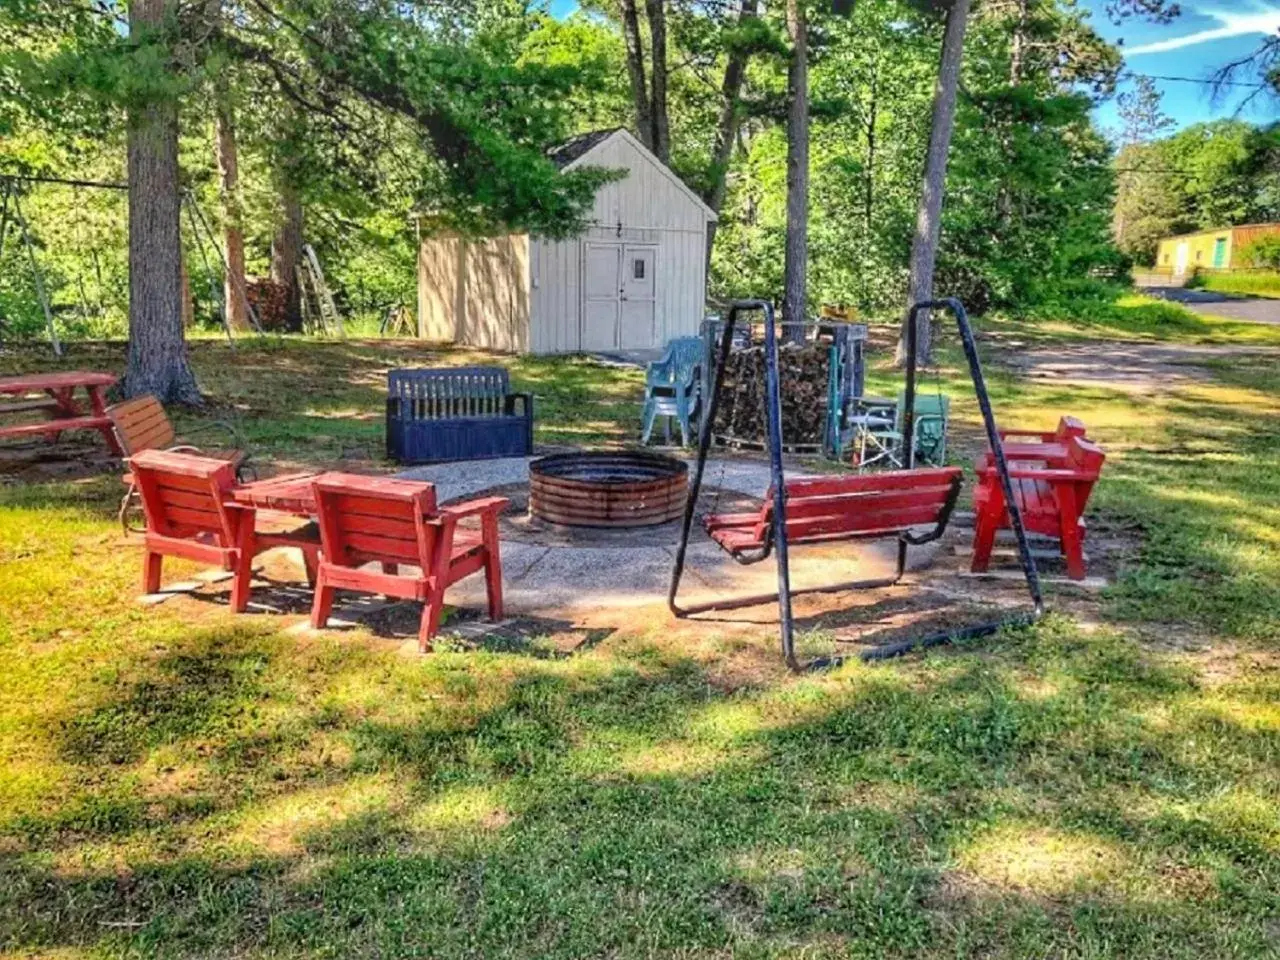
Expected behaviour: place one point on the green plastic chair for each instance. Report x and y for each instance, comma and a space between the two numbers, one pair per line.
671, 388
881, 442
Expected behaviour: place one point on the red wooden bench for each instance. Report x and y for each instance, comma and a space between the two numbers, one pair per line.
187, 503
394, 523
1051, 498
865, 506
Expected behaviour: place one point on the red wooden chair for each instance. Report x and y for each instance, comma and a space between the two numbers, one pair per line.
394, 523
189, 513
867, 506
1051, 498
142, 424
1037, 448
1067, 428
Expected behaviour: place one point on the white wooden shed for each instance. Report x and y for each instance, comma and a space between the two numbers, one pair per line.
632, 281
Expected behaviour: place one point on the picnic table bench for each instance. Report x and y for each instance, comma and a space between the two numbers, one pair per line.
59, 403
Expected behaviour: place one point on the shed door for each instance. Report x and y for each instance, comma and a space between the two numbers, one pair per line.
1220, 252
601, 301
1180, 258
638, 298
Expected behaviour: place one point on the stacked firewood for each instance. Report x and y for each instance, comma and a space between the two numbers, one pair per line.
269, 301
802, 374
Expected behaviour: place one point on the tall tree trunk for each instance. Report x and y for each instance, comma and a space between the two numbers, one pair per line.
1018, 54
635, 70
286, 251
657, 15
233, 293
735, 71
794, 294
157, 348
924, 246
873, 121
1017, 65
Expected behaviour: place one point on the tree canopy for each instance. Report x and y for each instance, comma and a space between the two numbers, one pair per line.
376, 120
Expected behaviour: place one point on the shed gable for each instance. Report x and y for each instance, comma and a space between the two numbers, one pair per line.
650, 195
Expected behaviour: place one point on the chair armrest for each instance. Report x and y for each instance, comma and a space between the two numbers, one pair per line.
1050, 454
471, 508
509, 404
236, 457
232, 433
1039, 436
1049, 474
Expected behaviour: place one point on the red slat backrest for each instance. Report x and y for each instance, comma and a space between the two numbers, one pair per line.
822, 507
1086, 459
184, 495
141, 424
375, 518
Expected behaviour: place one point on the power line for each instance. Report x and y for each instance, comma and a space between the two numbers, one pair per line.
1205, 81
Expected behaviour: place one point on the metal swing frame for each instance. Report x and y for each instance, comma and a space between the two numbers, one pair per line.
773, 420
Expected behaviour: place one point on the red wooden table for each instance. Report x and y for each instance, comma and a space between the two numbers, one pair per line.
291, 494
65, 413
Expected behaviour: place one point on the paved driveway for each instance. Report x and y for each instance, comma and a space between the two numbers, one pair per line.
1251, 309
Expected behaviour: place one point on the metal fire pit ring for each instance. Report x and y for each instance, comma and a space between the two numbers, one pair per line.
608, 488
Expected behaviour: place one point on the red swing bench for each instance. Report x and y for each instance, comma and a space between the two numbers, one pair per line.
869, 506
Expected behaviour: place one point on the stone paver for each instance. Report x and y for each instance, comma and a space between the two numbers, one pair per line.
582, 579
454, 480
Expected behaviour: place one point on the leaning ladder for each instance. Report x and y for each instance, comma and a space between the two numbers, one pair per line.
319, 302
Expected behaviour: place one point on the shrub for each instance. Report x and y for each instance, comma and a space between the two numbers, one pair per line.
1263, 252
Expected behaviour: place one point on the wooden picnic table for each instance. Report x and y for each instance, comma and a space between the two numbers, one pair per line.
59, 402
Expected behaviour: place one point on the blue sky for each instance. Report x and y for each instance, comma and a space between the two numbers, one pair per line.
1209, 34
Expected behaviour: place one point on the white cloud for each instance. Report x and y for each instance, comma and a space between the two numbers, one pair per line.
1233, 25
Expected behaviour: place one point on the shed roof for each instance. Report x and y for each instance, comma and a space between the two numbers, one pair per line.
1227, 229
563, 154
580, 147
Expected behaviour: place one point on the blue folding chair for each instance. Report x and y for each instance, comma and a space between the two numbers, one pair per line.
671, 387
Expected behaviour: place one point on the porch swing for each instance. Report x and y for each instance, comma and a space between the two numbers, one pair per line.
863, 507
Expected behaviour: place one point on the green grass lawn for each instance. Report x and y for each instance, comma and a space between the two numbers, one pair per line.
1254, 284
178, 781
1131, 316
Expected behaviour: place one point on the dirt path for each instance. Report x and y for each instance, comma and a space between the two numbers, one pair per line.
1139, 368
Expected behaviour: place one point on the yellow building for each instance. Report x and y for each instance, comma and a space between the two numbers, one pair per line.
1209, 249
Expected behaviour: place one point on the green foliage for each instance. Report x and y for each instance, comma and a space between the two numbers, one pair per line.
1263, 252
1259, 283
1208, 176
390, 118
1035, 210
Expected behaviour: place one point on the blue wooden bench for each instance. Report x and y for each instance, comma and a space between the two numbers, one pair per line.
461, 413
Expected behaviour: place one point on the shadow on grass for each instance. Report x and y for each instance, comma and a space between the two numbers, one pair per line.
511, 808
